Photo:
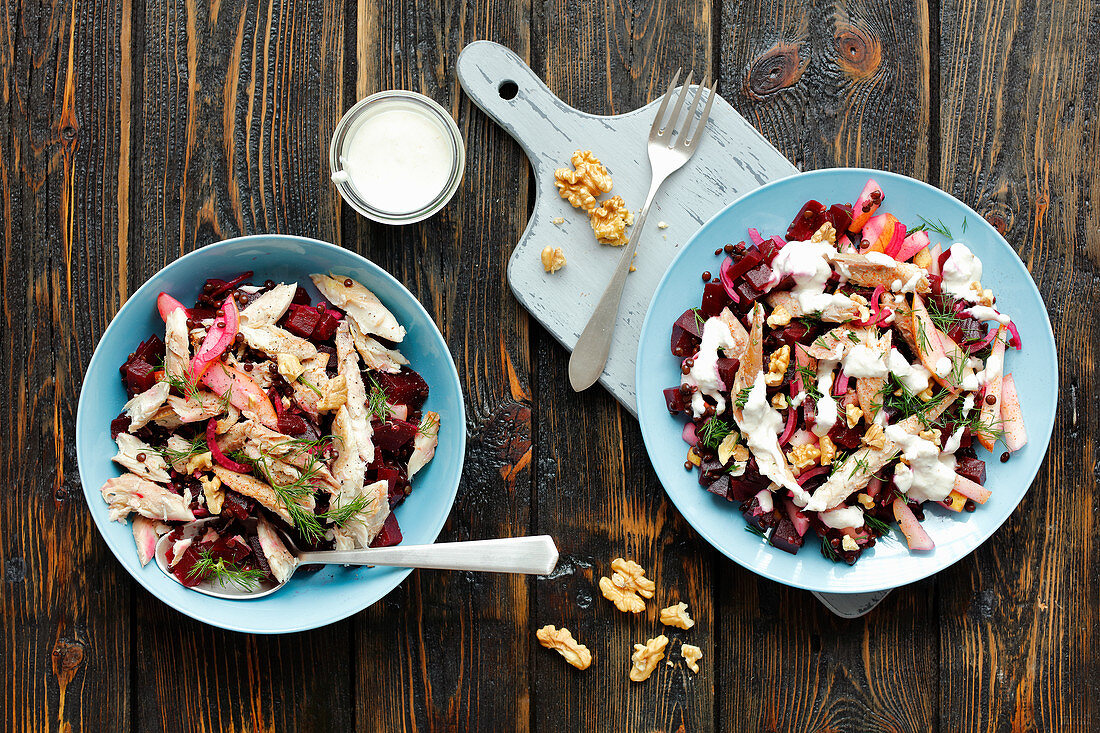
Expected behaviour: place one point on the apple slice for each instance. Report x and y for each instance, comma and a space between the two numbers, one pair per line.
1011, 416
913, 244
991, 413
971, 490
915, 535
866, 205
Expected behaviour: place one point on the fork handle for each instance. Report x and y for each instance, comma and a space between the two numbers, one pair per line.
590, 354
534, 555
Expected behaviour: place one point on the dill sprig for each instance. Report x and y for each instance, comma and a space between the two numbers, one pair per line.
377, 400
291, 493
860, 464
937, 226
907, 403
344, 513
756, 531
225, 573
426, 425
700, 318
964, 225
176, 381
742, 397
827, 550
194, 447
876, 525
302, 380
809, 381
714, 431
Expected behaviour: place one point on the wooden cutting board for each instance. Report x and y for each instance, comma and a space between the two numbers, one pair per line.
731, 160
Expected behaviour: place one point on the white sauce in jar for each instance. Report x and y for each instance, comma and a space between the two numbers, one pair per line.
961, 268
397, 157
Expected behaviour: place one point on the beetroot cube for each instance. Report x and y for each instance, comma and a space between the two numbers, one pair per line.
790, 334
139, 376
747, 293
971, 468
151, 350
714, 299
302, 320
760, 277
841, 217
393, 434
326, 327
404, 388
301, 297
674, 400
727, 370
785, 537
746, 262
121, 424
844, 436
692, 321
184, 568
809, 219
683, 343
236, 505
721, 486
390, 534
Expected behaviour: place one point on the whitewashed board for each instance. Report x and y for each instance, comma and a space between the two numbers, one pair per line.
732, 159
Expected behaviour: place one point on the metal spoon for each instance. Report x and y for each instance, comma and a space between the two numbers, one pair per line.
534, 555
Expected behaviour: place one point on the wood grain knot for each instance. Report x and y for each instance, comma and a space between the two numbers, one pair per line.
779, 67
502, 443
65, 660
858, 50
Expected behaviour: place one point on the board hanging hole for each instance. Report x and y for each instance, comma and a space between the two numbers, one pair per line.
508, 89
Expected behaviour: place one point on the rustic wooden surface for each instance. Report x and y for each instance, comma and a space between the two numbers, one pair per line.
133, 131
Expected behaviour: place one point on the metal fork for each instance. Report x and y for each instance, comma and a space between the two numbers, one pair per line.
669, 149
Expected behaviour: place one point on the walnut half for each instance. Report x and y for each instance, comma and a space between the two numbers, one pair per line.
588, 179
677, 616
692, 655
562, 641
646, 657
627, 586
609, 221
553, 258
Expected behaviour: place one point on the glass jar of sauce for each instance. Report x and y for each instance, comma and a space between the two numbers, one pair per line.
397, 157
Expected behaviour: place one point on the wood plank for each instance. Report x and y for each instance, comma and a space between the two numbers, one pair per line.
239, 99
66, 656
830, 85
449, 651
596, 492
1019, 141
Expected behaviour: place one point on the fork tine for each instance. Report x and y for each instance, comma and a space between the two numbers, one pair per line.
685, 139
699, 127
675, 116
664, 104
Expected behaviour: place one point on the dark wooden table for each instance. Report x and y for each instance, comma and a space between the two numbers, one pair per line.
133, 131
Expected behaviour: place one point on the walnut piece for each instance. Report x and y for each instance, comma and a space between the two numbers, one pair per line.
199, 462
925, 395
625, 600
779, 401
828, 450
553, 258
727, 447
852, 414
692, 655
779, 317
825, 233
777, 366
677, 616
865, 501
633, 576
609, 221
627, 586
289, 366
562, 641
848, 544
803, 456
646, 657
693, 456
875, 437
933, 435
214, 493
588, 179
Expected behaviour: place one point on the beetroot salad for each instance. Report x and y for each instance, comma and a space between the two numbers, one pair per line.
258, 411
840, 377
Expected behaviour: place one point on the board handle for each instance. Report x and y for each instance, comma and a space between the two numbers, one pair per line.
506, 89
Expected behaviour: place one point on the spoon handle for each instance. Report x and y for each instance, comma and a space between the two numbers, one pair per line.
535, 555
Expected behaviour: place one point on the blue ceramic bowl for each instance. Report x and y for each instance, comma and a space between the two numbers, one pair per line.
310, 600
889, 564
